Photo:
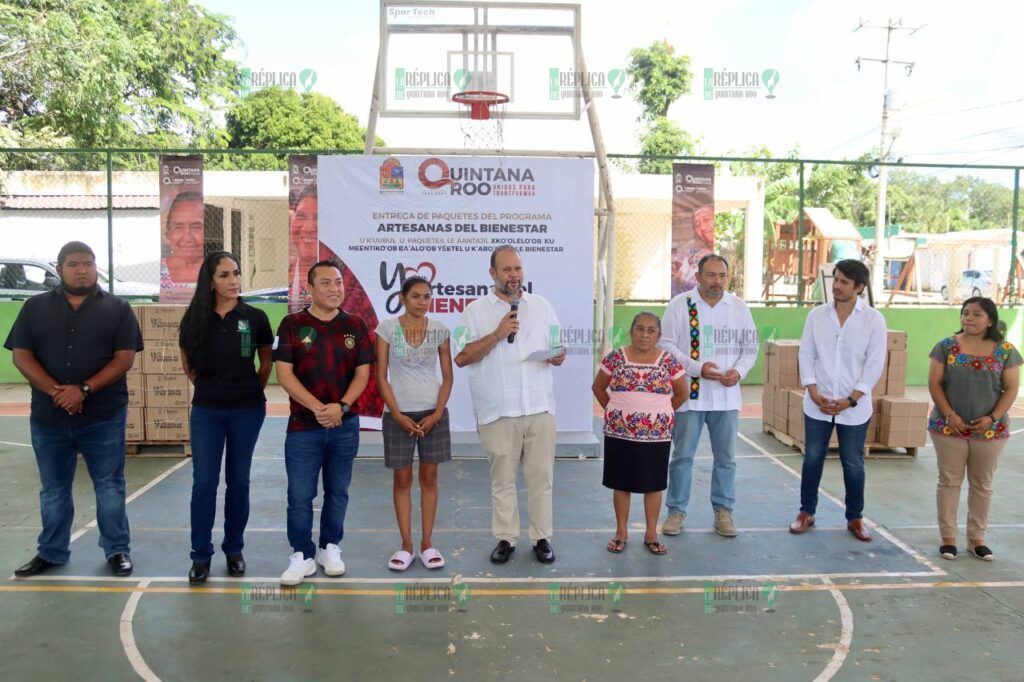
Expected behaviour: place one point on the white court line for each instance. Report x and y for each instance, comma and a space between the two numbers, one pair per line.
842, 648
386, 531
874, 526
134, 496
933, 526
128, 637
534, 580
131, 498
20, 445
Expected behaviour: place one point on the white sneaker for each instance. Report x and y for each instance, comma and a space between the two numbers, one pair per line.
330, 558
299, 568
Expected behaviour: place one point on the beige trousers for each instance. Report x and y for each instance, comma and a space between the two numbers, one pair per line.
531, 441
979, 459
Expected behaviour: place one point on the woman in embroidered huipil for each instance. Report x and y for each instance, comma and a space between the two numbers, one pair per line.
639, 386
973, 381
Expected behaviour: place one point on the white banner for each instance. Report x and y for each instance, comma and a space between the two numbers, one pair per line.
442, 217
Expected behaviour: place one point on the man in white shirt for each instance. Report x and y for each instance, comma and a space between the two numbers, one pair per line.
509, 357
712, 334
842, 356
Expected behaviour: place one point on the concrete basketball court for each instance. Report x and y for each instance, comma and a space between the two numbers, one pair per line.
766, 605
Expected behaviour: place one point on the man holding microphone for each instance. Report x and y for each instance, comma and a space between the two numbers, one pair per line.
509, 359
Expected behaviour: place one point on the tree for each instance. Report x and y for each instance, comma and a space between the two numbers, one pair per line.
275, 118
657, 79
662, 137
113, 72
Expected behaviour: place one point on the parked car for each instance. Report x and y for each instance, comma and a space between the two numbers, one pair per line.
972, 283
24, 277
269, 295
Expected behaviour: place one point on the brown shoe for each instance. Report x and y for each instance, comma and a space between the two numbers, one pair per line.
859, 530
803, 523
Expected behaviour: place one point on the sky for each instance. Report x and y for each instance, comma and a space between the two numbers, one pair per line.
962, 103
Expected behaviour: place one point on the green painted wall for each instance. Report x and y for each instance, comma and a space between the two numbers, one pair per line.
9, 312
925, 326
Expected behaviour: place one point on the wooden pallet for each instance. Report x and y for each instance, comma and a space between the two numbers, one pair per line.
159, 448
871, 450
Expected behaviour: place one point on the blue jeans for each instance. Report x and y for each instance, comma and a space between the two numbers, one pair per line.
212, 429
722, 425
305, 454
102, 447
851, 454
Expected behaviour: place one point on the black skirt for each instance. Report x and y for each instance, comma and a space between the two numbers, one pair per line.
635, 467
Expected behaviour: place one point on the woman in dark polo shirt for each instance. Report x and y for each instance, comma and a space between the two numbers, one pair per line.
219, 337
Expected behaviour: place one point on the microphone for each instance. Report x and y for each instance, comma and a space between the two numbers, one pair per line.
515, 310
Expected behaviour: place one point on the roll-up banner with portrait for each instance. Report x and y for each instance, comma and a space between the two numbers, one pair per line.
303, 242
693, 221
182, 226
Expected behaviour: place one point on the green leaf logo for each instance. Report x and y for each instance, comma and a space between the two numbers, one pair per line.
770, 78
462, 78
308, 79
245, 81
616, 77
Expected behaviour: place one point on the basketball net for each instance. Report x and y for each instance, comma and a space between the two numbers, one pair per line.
483, 133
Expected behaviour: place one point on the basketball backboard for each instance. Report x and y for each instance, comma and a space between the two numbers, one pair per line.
432, 49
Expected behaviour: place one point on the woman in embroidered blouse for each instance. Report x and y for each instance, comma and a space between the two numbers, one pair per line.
973, 381
639, 387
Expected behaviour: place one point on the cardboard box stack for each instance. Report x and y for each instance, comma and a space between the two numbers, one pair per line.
159, 392
896, 421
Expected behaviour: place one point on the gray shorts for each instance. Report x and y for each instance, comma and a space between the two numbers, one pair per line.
434, 448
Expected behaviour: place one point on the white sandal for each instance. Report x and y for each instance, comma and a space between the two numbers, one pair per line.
400, 560
431, 558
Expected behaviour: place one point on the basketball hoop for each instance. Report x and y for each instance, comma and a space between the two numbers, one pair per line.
480, 102
484, 126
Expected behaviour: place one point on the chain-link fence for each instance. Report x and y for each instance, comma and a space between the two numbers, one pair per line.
950, 231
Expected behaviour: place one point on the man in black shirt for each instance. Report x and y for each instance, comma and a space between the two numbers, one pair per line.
74, 345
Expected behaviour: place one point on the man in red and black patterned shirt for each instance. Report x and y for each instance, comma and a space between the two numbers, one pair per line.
323, 357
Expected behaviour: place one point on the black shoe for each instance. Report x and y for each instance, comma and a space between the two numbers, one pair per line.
35, 567
502, 552
199, 572
982, 552
236, 566
545, 552
121, 565
948, 552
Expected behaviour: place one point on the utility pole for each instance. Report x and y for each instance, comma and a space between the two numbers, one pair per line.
878, 267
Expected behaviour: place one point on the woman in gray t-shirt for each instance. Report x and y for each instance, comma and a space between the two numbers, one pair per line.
410, 348
973, 380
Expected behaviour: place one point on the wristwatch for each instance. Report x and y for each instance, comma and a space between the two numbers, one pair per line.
86, 390
853, 403
345, 407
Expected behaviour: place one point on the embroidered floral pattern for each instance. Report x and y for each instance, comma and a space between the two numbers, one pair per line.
628, 377
990, 363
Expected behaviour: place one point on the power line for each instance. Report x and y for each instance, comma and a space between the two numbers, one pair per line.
960, 111
852, 139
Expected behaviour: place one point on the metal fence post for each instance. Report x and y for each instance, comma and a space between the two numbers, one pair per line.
800, 243
110, 221
1012, 293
